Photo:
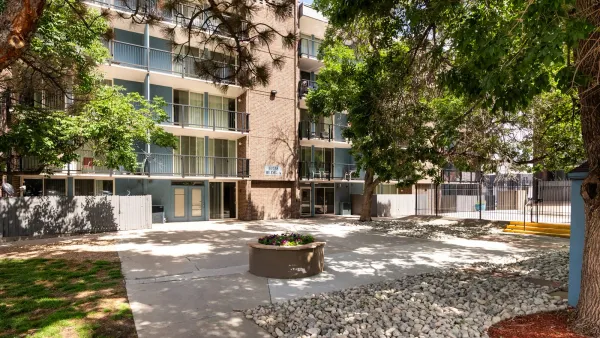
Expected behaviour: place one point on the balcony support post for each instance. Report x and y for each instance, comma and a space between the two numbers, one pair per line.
147, 45
182, 162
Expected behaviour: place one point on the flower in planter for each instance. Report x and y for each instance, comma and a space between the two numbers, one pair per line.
286, 239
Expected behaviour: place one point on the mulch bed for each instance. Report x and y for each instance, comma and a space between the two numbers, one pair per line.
553, 324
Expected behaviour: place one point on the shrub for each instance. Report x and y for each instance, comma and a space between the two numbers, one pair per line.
287, 239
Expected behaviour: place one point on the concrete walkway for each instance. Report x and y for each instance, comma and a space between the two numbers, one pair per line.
189, 279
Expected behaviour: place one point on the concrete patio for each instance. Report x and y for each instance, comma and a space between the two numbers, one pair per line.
189, 279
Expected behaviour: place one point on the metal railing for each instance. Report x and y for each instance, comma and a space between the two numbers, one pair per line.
201, 117
320, 131
309, 48
152, 164
181, 16
86, 163
506, 200
328, 171
136, 56
192, 165
304, 86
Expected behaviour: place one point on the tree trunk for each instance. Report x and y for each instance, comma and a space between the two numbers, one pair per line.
18, 22
587, 320
370, 185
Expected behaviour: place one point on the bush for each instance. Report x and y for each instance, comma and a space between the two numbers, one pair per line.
287, 239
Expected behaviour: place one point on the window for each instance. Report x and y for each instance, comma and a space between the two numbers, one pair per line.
104, 187
55, 187
33, 187
45, 187
84, 187
91, 187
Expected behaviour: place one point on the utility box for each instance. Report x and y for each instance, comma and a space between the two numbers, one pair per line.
158, 214
345, 208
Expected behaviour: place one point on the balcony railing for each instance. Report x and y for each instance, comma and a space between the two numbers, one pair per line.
304, 86
321, 131
309, 48
329, 171
180, 17
152, 165
209, 118
191, 165
163, 61
86, 163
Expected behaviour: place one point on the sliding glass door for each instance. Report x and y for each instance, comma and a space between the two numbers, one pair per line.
223, 200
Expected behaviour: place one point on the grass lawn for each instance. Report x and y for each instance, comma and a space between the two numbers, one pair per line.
42, 297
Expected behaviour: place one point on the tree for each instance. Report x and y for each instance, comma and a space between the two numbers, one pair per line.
55, 102
401, 127
499, 56
227, 32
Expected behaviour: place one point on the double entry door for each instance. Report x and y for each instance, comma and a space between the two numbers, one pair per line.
324, 200
188, 203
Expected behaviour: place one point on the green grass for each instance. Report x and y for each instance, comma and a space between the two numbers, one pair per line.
51, 297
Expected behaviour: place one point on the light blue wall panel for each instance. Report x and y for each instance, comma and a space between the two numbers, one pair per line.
357, 188
160, 55
130, 86
167, 94
341, 160
128, 48
340, 120
342, 194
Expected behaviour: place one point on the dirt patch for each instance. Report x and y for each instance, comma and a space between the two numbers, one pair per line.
540, 325
93, 247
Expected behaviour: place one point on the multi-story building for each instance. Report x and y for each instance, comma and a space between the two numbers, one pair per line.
243, 153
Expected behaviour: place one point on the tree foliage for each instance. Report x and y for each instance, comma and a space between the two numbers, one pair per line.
56, 103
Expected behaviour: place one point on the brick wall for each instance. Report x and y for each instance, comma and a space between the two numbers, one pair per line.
272, 139
272, 200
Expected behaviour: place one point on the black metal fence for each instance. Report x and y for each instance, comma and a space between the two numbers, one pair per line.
494, 197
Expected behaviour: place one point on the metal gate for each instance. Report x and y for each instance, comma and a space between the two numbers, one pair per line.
496, 197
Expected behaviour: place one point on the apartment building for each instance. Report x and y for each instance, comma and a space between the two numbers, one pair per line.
243, 153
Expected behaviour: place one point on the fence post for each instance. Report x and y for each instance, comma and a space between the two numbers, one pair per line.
479, 191
416, 201
436, 199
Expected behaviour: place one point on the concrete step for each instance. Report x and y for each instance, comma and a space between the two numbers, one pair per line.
536, 233
542, 225
538, 229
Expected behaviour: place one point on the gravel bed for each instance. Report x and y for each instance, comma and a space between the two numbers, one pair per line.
547, 265
439, 229
452, 303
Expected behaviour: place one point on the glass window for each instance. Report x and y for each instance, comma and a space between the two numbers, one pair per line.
55, 187
84, 187
104, 187
33, 187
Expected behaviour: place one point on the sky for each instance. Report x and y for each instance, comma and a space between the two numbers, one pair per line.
308, 2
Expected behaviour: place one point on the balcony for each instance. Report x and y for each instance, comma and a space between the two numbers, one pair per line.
304, 86
181, 17
151, 165
188, 116
308, 51
325, 171
192, 166
84, 164
308, 130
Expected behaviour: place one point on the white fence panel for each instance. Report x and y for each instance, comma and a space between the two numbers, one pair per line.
55, 215
395, 205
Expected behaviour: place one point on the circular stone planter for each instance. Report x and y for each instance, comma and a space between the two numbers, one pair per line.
287, 262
